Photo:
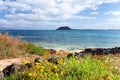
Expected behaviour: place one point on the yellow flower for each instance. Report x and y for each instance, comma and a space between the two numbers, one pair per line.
56, 74
55, 67
42, 67
30, 74
61, 63
41, 70
62, 73
40, 61
47, 63
109, 78
45, 73
37, 63
25, 61
33, 59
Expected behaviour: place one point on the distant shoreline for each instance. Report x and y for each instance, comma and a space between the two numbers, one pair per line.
51, 29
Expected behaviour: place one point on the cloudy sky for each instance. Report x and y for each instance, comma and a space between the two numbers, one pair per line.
50, 14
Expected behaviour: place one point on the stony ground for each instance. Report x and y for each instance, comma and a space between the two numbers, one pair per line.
116, 60
6, 62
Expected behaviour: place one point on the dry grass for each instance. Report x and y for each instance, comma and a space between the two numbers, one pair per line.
8, 46
13, 47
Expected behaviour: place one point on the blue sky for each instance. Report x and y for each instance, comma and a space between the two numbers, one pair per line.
51, 14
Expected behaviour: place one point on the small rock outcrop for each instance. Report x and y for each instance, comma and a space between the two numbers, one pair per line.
64, 28
11, 69
53, 60
102, 51
70, 55
95, 51
38, 59
14, 68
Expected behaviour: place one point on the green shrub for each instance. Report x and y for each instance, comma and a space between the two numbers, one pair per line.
32, 48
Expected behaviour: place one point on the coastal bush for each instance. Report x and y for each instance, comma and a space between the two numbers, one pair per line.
12, 47
8, 46
32, 48
69, 69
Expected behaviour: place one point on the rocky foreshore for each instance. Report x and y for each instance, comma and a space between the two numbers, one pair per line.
14, 67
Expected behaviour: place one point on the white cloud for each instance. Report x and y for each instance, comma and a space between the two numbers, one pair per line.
114, 13
30, 11
111, 1
94, 12
114, 20
115, 16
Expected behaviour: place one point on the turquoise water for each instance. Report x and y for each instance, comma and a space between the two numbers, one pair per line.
70, 39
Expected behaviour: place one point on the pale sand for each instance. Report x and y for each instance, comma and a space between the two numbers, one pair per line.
7, 62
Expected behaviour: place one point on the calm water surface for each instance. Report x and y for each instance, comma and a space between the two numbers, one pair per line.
69, 39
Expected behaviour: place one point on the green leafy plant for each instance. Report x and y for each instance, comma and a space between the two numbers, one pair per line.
33, 49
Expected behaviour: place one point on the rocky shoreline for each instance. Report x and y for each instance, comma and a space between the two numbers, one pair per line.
12, 67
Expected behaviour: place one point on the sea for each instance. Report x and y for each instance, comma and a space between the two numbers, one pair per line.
69, 39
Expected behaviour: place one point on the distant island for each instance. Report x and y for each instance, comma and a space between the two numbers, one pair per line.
64, 28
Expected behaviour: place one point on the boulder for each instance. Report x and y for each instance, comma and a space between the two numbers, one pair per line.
70, 55
80, 55
38, 59
27, 66
53, 60
11, 69
14, 68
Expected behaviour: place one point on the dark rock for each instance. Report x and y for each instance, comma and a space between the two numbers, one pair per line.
102, 51
79, 55
90, 51
11, 69
38, 59
28, 65
105, 51
53, 60
64, 28
70, 55
14, 68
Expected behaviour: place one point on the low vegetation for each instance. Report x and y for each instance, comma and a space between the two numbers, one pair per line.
32, 48
87, 68
13, 47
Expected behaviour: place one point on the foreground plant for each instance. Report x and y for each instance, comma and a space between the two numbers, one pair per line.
87, 68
